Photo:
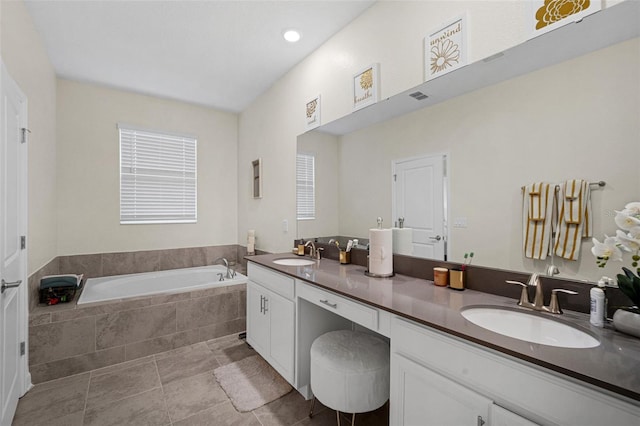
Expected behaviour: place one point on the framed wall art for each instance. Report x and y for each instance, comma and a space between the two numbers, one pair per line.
445, 48
312, 111
546, 15
366, 87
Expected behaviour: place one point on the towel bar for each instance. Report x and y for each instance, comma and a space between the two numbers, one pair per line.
599, 183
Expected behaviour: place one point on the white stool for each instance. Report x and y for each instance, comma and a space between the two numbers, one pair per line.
350, 372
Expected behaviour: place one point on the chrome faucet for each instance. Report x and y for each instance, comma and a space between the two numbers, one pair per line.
538, 300
314, 253
230, 272
312, 250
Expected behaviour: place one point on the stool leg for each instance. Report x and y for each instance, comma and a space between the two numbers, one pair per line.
338, 417
313, 404
353, 419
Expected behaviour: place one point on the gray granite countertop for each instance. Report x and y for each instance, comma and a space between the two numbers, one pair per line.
614, 365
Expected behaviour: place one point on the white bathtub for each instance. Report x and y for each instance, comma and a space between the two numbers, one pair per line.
148, 283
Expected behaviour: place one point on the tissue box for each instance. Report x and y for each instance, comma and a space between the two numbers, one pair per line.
56, 289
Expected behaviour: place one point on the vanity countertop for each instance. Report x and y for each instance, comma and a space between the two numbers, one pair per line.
614, 365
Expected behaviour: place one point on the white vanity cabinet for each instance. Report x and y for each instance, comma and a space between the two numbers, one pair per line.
437, 379
422, 397
271, 318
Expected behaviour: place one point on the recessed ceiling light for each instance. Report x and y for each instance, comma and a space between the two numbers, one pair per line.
291, 36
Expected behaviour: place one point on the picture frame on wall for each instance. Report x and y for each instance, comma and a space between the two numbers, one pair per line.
366, 87
446, 47
312, 113
547, 15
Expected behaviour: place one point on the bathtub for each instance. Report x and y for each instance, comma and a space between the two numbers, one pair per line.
119, 287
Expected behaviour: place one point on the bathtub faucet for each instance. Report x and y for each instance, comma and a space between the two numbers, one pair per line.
230, 272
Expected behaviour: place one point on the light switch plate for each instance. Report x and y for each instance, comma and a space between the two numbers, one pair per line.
285, 225
460, 222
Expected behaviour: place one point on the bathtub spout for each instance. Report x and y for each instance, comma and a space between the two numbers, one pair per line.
230, 272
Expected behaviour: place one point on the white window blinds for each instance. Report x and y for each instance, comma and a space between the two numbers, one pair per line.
157, 177
305, 186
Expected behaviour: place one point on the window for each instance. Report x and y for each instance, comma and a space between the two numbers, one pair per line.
157, 177
305, 186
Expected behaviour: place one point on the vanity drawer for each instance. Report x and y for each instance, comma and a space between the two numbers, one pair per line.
274, 281
359, 313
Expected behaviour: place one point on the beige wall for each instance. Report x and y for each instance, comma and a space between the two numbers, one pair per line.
88, 170
562, 122
390, 33
26, 60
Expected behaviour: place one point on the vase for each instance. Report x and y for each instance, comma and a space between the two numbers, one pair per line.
627, 320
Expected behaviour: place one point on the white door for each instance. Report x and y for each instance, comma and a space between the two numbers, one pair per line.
13, 310
421, 397
419, 198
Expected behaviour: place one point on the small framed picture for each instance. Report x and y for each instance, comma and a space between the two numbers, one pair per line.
546, 15
312, 118
366, 87
445, 48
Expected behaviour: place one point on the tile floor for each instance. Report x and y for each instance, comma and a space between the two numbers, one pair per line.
172, 388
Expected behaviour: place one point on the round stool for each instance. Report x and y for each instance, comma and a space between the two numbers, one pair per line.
350, 372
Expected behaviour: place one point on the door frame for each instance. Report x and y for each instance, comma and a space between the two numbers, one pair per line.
25, 375
445, 191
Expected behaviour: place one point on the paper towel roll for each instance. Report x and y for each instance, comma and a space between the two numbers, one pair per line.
403, 241
380, 251
251, 241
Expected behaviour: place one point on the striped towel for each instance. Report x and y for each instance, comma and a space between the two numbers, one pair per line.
537, 214
575, 218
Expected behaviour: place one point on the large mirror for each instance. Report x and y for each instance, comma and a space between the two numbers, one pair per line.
527, 115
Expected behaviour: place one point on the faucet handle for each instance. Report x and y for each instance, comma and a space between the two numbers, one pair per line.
534, 280
319, 251
554, 306
524, 295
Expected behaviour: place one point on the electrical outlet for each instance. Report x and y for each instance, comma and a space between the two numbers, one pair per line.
460, 222
285, 225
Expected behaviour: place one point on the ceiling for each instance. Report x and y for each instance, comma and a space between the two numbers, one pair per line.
221, 54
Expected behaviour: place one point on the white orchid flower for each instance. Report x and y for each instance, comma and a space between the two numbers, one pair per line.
607, 249
633, 209
627, 241
626, 221
635, 232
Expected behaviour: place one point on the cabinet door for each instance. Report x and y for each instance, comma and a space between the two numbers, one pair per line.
281, 318
504, 417
257, 319
421, 397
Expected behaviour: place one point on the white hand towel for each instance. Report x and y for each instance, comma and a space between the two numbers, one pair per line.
537, 211
575, 218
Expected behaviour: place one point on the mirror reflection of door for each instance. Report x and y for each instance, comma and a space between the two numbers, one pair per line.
419, 197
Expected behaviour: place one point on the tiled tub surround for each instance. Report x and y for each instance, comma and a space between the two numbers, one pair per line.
68, 339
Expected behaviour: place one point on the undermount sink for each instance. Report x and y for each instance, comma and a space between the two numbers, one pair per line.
529, 327
293, 261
